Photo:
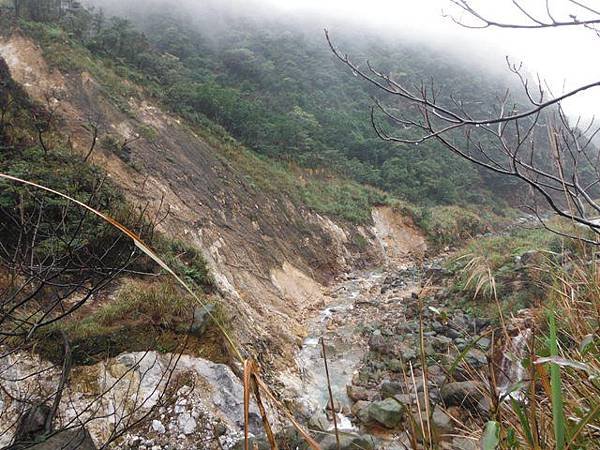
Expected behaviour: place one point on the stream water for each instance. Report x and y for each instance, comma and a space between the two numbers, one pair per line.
339, 324
360, 300
345, 347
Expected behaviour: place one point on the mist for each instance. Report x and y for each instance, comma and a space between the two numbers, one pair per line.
562, 58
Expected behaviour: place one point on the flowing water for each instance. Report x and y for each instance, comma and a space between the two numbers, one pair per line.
345, 347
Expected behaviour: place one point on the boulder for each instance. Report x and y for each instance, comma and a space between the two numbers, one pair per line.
388, 412
74, 439
202, 320
348, 441
356, 393
391, 388
467, 394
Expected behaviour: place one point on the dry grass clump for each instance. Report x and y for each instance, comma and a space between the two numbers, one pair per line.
557, 402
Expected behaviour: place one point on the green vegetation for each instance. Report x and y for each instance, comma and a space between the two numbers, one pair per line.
186, 261
556, 280
453, 225
48, 241
299, 143
144, 315
279, 92
317, 189
505, 267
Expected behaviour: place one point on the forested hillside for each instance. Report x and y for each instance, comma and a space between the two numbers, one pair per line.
277, 88
204, 243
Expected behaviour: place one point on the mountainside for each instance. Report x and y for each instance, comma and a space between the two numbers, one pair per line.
210, 231
275, 86
264, 247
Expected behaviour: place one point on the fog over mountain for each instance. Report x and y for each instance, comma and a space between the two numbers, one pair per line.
561, 57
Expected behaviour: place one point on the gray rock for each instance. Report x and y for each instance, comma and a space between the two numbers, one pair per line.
484, 343
186, 423
391, 388
441, 343
378, 343
441, 421
450, 332
337, 406
76, 439
347, 442
356, 393
360, 410
395, 365
202, 320
319, 422
407, 352
459, 443
460, 343
406, 399
467, 394
476, 358
388, 412
158, 426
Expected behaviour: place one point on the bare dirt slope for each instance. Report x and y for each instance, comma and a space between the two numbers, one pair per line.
270, 258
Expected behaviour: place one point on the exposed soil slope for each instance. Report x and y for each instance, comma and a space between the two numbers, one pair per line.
270, 258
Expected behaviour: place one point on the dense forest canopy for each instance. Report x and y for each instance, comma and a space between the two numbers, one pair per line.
275, 86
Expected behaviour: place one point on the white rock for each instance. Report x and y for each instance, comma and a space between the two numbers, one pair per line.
158, 426
186, 423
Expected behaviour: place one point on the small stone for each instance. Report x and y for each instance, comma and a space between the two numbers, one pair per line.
391, 388
484, 343
441, 343
158, 426
388, 412
356, 393
337, 406
360, 410
476, 358
347, 442
395, 365
319, 422
464, 443
186, 423
407, 352
467, 394
442, 422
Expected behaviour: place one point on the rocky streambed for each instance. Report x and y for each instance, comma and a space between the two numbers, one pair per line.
372, 328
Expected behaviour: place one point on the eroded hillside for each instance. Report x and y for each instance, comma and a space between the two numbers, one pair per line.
270, 256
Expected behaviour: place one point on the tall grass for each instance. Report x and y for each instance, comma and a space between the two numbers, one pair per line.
560, 403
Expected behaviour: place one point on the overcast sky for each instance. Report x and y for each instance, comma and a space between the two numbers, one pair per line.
566, 57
